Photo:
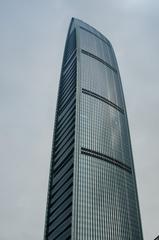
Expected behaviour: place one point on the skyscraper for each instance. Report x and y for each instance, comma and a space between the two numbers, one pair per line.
92, 188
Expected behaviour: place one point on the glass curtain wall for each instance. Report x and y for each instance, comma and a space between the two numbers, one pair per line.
92, 189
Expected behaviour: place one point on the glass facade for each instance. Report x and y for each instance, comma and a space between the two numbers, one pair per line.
92, 188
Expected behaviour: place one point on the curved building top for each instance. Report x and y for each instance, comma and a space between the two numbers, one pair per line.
81, 24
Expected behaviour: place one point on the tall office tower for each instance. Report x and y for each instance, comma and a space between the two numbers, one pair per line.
92, 189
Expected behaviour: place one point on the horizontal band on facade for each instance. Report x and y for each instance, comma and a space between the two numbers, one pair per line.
96, 36
99, 59
92, 94
106, 158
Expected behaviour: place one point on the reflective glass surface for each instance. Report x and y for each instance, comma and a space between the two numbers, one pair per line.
107, 196
92, 188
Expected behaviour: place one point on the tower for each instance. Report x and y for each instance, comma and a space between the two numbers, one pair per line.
92, 188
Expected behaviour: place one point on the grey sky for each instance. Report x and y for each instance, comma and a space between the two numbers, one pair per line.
33, 34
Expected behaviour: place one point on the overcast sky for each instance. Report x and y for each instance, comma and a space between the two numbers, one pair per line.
33, 34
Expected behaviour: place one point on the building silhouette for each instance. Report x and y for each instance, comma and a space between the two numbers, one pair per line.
157, 238
92, 188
